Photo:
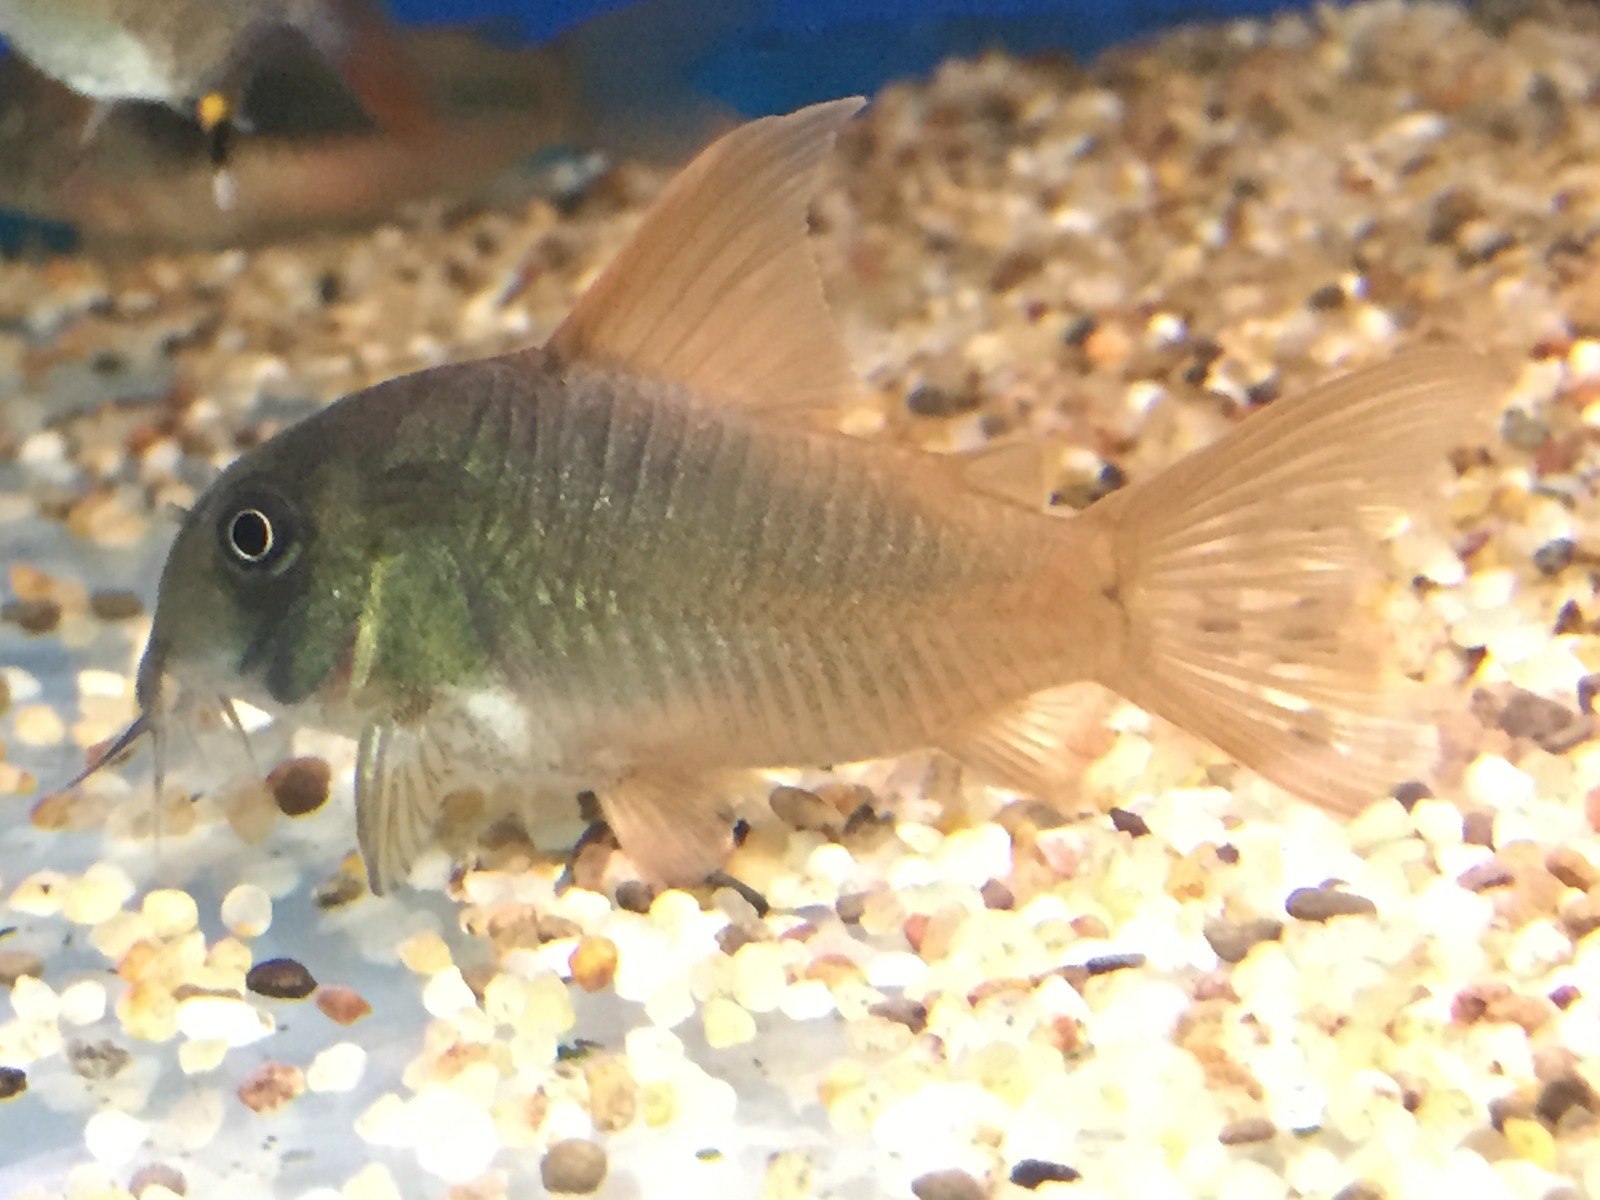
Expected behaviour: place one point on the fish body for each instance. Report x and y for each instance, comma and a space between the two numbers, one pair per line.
631, 563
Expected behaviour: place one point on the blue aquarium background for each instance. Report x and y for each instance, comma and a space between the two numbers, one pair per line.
783, 53
793, 52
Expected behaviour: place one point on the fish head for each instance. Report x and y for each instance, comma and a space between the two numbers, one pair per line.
261, 593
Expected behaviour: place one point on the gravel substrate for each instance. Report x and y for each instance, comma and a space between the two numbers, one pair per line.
1195, 987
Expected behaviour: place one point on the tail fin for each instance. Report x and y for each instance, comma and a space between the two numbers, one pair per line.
1239, 573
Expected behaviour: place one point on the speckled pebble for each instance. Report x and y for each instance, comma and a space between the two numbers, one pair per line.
280, 979
1325, 903
574, 1167
948, 1185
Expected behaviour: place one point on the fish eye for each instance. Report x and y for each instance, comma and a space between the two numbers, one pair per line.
250, 535
257, 532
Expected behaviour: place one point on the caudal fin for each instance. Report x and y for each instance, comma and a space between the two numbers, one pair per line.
1240, 570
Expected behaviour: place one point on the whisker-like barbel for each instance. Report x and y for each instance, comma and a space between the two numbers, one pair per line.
125, 742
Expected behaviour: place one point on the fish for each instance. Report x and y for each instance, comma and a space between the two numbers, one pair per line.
622, 84
642, 562
198, 56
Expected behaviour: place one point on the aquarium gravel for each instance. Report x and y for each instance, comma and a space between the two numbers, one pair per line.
1193, 986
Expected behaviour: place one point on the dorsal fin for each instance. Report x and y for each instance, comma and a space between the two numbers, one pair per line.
718, 290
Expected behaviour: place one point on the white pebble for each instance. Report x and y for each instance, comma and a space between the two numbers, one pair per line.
975, 856
113, 1137
807, 1000
1537, 947
759, 976
112, 685
446, 993
170, 912
1491, 780
896, 969
726, 1023
458, 1140
32, 999
373, 1182
223, 1019
22, 686
247, 911
83, 1002
98, 894
337, 1069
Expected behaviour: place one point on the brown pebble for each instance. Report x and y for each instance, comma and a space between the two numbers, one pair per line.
13, 1082
1232, 940
635, 896
1582, 917
1130, 823
14, 964
112, 605
733, 938
1034, 1172
1514, 1106
1411, 791
997, 895
342, 1005
1572, 868
613, 1094
1105, 964
1324, 903
804, 810
1468, 1006
902, 1011
573, 1167
280, 979
1477, 828
1020, 814
32, 616
1486, 875
271, 1086
1562, 1095
1247, 1131
158, 1175
851, 907
948, 1185
1552, 725
593, 963
300, 786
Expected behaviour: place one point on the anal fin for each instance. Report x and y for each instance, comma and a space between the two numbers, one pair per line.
1041, 746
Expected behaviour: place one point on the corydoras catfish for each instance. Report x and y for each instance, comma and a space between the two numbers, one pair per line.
634, 562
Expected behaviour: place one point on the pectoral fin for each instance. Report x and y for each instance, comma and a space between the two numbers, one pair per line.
401, 782
670, 825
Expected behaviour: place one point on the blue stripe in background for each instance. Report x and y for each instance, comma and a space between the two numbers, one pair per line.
807, 50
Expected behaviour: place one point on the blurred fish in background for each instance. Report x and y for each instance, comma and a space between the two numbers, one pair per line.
349, 116
353, 110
